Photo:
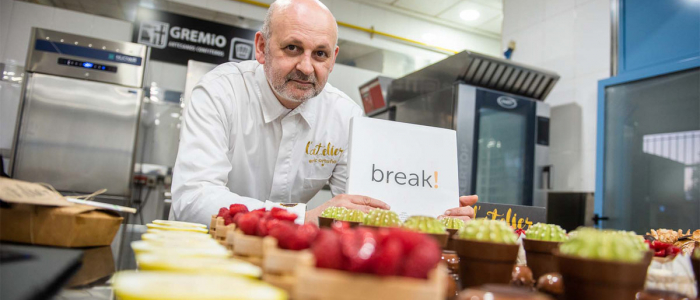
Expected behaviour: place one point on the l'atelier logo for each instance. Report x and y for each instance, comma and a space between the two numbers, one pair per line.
321, 149
400, 178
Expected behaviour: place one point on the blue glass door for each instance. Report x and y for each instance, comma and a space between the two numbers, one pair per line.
652, 153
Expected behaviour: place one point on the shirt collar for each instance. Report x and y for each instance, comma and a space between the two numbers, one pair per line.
273, 109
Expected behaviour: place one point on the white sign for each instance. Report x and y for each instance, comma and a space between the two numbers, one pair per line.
412, 168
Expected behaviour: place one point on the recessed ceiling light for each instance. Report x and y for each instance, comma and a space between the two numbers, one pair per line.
469, 14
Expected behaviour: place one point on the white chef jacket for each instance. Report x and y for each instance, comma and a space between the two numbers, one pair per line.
238, 144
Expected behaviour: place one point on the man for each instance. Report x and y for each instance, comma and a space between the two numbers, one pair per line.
250, 126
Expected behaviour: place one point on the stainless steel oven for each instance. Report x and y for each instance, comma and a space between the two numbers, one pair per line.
501, 120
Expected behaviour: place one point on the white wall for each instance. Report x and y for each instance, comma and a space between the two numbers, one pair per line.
572, 38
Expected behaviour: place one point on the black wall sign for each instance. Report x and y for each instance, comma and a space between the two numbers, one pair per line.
177, 39
517, 216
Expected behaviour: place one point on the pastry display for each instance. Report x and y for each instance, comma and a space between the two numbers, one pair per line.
487, 252
546, 232
685, 241
602, 245
133, 285
229, 213
601, 264
539, 243
522, 277
333, 212
551, 284
424, 224
382, 218
486, 230
452, 223
501, 292
351, 215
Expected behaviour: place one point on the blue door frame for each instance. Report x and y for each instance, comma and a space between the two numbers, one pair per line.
627, 77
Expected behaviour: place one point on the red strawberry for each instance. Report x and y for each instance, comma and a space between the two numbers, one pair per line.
248, 223
237, 208
236, 217
303, 237
228, 219
422, 259
409, 239
222, 212
283, 231
387, 261
358, 247
262, 229
260, 212
282, 214
326, 248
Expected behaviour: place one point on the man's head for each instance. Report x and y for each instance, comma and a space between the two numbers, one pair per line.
297, 46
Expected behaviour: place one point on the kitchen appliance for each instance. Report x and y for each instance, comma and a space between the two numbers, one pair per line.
79, 113
496, 106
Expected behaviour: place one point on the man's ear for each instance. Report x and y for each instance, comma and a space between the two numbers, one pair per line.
335, 57
260, 47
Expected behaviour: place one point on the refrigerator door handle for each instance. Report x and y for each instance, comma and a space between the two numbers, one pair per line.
546, 177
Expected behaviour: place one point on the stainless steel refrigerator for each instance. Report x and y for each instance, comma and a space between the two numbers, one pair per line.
79, 113
496, 106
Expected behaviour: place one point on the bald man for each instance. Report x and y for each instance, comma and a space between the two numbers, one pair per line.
272, 129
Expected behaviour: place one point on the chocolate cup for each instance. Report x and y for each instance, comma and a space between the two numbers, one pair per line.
324, 222
484, 262
696, 267
450, 240
539, 256
440, 238
598, 279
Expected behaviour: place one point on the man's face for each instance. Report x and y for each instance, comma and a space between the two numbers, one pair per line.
299, 54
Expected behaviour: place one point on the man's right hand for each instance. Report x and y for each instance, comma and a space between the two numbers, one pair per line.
363, 203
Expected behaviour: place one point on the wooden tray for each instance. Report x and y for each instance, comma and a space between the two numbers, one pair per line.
248, 247
325, 284
281, 261
212, 225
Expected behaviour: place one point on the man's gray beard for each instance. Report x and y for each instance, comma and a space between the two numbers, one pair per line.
280, 88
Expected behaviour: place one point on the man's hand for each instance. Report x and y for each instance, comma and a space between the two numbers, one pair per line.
363, 203
465, 211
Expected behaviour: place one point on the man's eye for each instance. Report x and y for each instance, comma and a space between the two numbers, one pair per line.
321, 54
292, 48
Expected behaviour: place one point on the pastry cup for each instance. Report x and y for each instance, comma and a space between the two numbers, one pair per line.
599, 279
539, 256
485, 262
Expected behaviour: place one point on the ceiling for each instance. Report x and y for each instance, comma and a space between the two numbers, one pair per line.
448, 11
445, 12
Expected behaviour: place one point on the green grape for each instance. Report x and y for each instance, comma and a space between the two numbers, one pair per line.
452, 223
487, 230
546, 232
333, 212
424, 224
607, 245
352, 215
382, 218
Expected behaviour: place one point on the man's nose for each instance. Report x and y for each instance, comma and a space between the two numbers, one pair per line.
305, 66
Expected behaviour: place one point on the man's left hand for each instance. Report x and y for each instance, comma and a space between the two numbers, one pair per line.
465, 211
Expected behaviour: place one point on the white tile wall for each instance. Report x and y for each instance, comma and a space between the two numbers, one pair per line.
572, 38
